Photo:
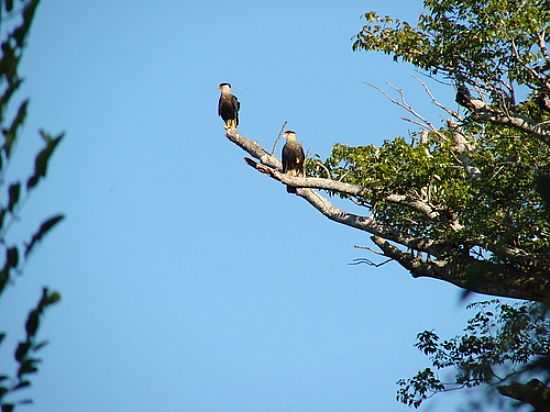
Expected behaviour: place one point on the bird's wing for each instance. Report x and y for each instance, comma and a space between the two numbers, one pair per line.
236, 107
285, 157
302, 154
303, 160
220, 106
236, 103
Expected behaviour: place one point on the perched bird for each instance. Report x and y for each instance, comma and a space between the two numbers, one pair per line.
293, 158
543, 101
228, 106
463, 95
464, 98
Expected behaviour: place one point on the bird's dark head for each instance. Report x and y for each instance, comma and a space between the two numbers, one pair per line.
290, 135
225, 88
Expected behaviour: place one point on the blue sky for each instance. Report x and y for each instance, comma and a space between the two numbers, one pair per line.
190, 282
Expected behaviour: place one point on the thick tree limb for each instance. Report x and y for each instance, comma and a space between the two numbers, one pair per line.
424, 208
542, 45
324, 206
533, 392
468, 273
516, 122
482, 111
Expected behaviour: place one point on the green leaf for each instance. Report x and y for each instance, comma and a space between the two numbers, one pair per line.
8, 62
21, 385
21, 351
2, 216
44, 228
8, 407
542, 183
10, 134
27, 367
6, 97
40, 345
12, 257
42, 159
33, 322
4, 277
14, 192
53, 298
20, 33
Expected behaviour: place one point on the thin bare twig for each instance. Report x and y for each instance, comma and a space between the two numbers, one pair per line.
532, 71
436, 102
365, 261
374, 251
402, 102
278, 137
318, 162
542, 45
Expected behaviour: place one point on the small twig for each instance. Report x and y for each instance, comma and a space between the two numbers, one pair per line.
360, 203
344, 175
532, 71
329, 175
496, 173
436, 102
369, 249
365, 261
402, 102
542, 45
435, 79
416, 123
258, 166
278, 137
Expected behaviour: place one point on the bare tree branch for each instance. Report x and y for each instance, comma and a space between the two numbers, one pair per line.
352, 190
471, 274
534, 392
278, 136
365, 261
542, 45
436, 102
402, 102
516, 122
534, 74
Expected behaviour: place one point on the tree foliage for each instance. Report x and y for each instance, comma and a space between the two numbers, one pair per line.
501, 343
15, 194
477, 175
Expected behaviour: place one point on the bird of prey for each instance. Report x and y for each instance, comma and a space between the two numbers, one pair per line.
464, 98
463, 95
293, 158
543, 101
228, 106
